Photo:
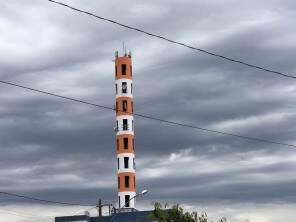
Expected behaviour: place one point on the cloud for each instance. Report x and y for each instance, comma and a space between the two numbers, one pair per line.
62, 150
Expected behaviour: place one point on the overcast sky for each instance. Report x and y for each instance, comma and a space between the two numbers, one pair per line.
64, 151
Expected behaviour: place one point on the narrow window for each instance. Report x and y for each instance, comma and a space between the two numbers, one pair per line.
132, 105
124, 87
119, 185
134, 182
119, 201
124, 105
115, 70
126, 159
117, 163
125, 125
131, 88
125, 143
126, 181
116, 107
127, 200
133, 144
116, 90
116, 126
123, 69
131, 70
117, 144
134, 163
132, 124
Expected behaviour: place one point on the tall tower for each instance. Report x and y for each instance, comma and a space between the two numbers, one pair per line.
126, 170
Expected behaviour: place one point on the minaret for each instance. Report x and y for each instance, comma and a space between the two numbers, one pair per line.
125, 131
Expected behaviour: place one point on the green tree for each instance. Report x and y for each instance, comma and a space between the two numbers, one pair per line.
174, 214
177, 214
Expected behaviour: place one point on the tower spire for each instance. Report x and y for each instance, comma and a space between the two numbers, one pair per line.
126, 170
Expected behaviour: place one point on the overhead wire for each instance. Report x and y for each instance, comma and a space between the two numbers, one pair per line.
227, 58
26, 215
91, 208
150, 117
41, 200
137, 114
54, 202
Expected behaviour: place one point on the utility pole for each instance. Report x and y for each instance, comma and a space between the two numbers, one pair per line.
99, 207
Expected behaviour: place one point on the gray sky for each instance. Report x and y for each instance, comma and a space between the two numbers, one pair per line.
64, 151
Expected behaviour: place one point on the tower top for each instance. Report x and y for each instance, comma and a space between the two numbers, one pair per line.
125, 54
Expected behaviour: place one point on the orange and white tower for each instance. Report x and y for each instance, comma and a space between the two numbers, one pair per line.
126, 170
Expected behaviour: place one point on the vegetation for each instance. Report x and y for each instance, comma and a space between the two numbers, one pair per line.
177, 214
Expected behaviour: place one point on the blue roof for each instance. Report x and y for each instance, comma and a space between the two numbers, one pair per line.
137, 216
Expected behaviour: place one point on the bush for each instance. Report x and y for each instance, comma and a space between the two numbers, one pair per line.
175, 214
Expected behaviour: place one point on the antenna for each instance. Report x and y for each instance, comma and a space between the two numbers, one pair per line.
123, 48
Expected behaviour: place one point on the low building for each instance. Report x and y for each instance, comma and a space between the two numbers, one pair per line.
136, 216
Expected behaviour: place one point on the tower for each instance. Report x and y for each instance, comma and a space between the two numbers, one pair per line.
126, 170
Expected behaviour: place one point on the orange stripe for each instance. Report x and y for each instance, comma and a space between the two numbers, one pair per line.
131, 187
124, 106
128, 62
120, 146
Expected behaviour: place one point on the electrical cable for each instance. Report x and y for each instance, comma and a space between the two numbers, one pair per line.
176, 42
52, 202
26, 215
41, 200
151, 117
89, 209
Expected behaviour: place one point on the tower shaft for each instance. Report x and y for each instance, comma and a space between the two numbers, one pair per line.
126, 170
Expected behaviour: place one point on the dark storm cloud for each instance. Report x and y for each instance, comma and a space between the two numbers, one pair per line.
233, 184
62, 150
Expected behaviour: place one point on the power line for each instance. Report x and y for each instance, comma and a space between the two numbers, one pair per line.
26, 215
177, 42
89, 209
151, 117
41, 200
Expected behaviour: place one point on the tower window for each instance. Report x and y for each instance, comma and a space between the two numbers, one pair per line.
131, 70
125, 143
118, 184
116, 128
124, 105
126, 159
134, 163
126, 181
124, 87
132, 124
117, 163
116, 90
117, 144
119, 201
116, 107
124, 124
134, 182
115, 70
133, 144
132, 105
131, 88
123, 69
127, 200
